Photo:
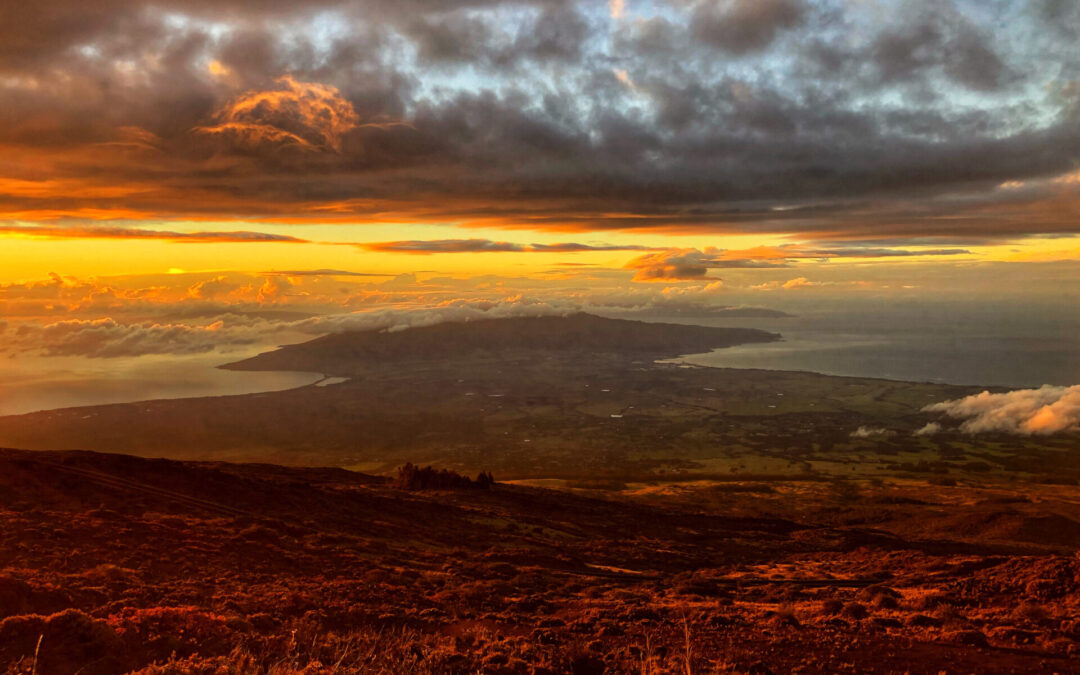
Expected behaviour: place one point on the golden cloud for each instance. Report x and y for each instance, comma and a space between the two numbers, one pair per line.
305, 115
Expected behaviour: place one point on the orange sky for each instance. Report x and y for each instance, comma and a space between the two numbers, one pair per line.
162, 161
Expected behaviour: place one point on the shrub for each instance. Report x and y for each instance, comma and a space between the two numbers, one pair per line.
831, 607
934, 600
161, 631
923, 621
968, 637
1031, 612
14, 596
949, 615
784, 616
70, 641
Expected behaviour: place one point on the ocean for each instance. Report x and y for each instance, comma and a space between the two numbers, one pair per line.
1015, 346
31, 383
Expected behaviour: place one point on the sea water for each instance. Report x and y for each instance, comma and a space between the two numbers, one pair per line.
31, 383
970, 344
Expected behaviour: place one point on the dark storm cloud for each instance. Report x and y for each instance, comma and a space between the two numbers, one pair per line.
866, 252
691, 263
741, 26
105, 232
461, 37
487, 246
833, 121
321, 273
570, 247
907, 52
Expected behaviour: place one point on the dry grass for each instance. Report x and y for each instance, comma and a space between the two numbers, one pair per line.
341, 578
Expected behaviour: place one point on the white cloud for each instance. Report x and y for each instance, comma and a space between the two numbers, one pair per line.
210, 288
929, 430
800, 282
393, 320
1025, 412
870, 432
106, 337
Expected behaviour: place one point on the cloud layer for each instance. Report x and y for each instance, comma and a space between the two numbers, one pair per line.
1023, 412
931, 121
222, 311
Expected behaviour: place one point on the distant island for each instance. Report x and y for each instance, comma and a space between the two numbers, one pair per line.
573, 336
748, 313
695, 311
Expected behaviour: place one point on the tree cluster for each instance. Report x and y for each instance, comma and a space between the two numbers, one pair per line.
412, 477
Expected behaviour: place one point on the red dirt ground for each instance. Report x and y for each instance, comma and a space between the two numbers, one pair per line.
113, 564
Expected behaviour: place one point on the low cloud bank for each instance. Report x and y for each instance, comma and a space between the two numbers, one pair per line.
110, 338
393, 320
1024, 412
202, 312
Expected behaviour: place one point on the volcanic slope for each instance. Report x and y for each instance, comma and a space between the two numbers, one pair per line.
121, 564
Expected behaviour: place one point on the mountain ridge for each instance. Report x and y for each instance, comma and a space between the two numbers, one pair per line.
572, 336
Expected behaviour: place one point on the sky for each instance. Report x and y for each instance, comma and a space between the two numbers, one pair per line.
181, 176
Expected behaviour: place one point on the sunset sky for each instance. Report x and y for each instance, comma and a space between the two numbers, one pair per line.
172, 171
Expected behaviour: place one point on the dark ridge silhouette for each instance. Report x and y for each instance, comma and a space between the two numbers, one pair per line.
412, 477
574, 335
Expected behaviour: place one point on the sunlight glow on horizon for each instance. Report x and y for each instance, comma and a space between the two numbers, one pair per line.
635, 156
336, 246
